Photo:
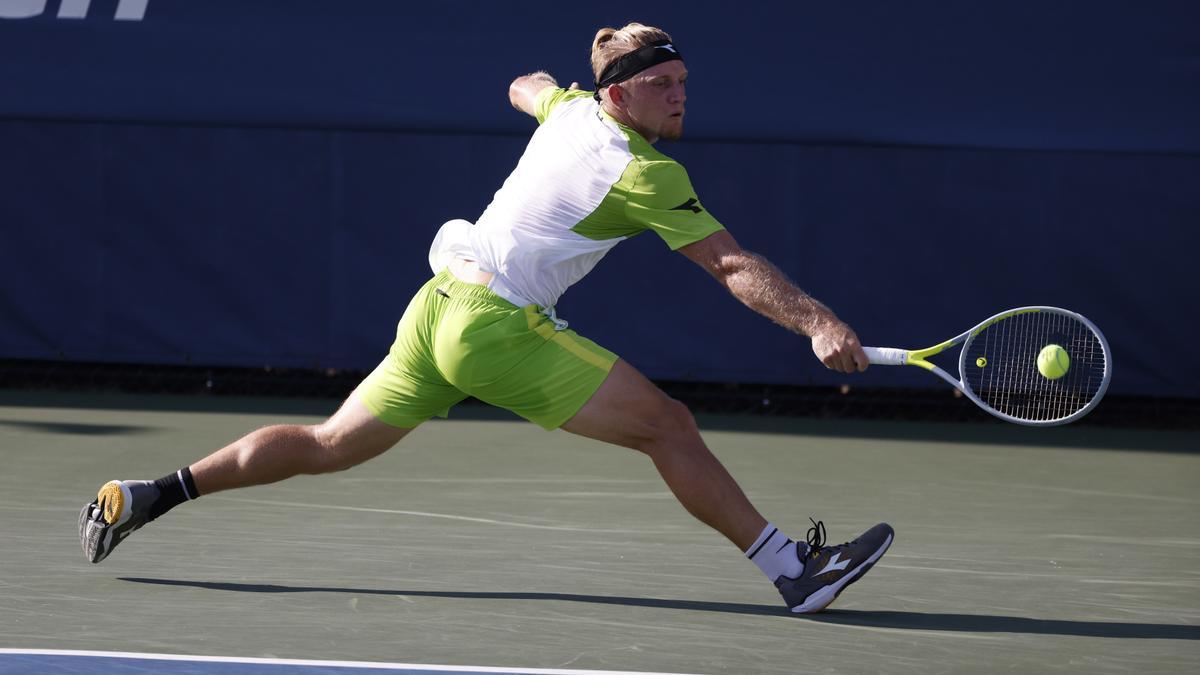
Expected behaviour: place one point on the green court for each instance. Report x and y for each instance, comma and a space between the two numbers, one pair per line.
486, 541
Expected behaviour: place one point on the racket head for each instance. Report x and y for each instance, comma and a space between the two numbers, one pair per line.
1009, 385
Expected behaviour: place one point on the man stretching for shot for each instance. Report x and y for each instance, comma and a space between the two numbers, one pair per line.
485, 325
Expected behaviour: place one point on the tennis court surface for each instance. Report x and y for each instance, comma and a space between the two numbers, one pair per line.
488, 545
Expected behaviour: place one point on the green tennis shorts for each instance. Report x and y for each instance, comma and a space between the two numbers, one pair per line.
458, 339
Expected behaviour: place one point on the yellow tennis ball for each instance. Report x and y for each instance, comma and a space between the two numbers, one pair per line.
1053, 362
981, 362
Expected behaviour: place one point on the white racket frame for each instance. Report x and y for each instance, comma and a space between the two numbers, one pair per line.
891, 356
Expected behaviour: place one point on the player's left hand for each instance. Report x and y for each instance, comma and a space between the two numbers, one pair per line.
837, 346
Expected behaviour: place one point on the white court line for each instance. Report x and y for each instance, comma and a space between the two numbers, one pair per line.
426, 514
1126, 540
553, 480
329, 664
1079, 491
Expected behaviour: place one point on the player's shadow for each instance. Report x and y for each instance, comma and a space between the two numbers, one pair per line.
960, 623
76, 428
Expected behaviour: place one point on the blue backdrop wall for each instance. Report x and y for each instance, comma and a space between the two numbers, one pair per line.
243, 183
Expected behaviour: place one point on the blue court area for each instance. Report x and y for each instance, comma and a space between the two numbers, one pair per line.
486, 545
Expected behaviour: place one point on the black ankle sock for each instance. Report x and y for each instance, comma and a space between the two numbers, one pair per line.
174, 489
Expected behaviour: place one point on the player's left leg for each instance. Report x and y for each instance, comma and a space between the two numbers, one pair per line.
271, 454
351, 436
401, 393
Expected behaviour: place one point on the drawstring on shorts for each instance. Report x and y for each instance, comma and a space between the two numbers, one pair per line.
559, 324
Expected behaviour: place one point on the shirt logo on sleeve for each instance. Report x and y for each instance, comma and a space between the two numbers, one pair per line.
689, 205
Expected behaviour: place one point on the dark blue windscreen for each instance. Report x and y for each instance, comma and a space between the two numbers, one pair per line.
242, 184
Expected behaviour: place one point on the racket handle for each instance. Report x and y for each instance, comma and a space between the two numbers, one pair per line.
886, 356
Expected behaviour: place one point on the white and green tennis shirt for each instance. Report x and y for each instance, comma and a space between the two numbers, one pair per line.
584, 184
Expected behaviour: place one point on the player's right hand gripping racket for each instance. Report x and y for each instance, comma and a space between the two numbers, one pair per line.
998, 365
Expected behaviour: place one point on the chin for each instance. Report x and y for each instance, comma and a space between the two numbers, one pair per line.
672, 134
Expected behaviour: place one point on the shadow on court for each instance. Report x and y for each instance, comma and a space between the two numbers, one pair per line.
985, 431
76, 428
982, 623
962, 623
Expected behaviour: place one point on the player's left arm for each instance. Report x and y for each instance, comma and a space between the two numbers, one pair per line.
523, 91
763, 287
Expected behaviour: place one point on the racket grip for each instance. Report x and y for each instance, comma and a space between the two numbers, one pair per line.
886, 356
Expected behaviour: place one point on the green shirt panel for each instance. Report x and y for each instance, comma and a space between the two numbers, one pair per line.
662, 199
653, 193
549, 97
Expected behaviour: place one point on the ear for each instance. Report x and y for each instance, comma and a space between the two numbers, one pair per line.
616, 94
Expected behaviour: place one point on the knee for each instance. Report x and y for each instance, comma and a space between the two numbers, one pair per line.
674, 429
331, 450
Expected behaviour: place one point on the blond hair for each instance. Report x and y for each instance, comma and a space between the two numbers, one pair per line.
612, 43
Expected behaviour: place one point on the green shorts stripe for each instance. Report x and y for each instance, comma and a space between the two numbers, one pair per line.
458, 339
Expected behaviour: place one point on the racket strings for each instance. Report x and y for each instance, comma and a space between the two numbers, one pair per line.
1009, 381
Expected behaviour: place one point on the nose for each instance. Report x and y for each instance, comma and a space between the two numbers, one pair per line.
678, 93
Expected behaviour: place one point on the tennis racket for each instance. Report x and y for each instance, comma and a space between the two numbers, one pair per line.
998, 365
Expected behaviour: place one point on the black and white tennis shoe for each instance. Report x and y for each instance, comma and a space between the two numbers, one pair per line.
120, 507
828, 570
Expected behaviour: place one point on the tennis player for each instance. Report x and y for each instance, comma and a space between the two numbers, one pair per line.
485, 325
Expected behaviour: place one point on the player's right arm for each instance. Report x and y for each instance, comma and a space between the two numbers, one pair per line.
662, 199
762, 287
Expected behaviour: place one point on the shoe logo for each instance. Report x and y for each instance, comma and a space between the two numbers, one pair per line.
833, 565
689, 205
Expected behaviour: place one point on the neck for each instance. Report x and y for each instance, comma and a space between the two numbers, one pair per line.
623, 118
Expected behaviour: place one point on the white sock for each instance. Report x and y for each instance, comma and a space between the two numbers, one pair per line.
775, 554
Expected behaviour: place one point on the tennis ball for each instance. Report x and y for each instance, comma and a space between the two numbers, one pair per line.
1053, 362
981, 362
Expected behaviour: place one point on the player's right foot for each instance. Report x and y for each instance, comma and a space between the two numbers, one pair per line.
120, 507
828, 570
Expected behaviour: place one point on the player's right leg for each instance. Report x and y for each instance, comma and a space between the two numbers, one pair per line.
520, 359
630, 411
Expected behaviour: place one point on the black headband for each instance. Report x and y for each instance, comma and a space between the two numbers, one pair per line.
628, 65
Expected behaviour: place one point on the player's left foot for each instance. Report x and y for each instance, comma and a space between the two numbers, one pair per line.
120, 507
828, 570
